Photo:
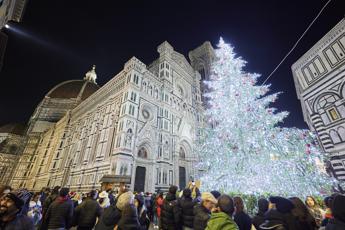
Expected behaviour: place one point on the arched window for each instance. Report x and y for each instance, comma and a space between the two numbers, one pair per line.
156, 93
182, 153
142, 153
325, 101
341, 132
334, 136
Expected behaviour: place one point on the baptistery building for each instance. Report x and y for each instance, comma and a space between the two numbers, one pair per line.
141, 126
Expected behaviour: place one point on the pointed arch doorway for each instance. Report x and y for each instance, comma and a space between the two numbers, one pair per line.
139, 183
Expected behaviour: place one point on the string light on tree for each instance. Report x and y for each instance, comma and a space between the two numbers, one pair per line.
242, 149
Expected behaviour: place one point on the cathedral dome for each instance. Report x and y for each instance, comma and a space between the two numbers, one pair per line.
81, 89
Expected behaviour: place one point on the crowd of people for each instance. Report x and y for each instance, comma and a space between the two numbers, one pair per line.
189, 209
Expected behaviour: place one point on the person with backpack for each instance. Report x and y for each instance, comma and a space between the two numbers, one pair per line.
186, 205
144, 220
170, 213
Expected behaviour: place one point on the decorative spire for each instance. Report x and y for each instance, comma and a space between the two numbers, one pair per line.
91, 75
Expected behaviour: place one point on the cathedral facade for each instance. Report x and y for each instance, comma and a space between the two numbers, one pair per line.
141, 125
319, 77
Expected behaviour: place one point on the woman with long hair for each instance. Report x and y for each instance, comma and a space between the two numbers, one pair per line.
301, 212
241, 218
314, 209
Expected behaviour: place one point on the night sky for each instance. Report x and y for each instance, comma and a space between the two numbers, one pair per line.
61, 40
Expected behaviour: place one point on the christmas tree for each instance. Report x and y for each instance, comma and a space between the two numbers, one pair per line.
242, 149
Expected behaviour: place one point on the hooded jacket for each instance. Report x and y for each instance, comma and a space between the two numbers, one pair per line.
220, 221
201, 216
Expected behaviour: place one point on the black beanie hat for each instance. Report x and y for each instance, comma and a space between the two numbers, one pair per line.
263, 205
173, 189
187, 192
20, 197
216, 194
283, 205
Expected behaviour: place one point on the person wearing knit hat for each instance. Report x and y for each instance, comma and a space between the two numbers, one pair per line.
124, 199
129, 215
207, 196
216, 194
338, 211
202, 212
4, 189
11, 206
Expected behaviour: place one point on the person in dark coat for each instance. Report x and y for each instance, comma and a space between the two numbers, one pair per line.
139, 202
149, 205
186, 205
241, 218
328, 214
306, 220
129, 215
259, 218
50, 199
280, 217
202, 212
170, 213
44, 194
11, 217
109, 218
60, 212
86, 213
338, 211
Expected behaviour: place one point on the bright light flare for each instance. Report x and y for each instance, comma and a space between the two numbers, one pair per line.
7, 26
